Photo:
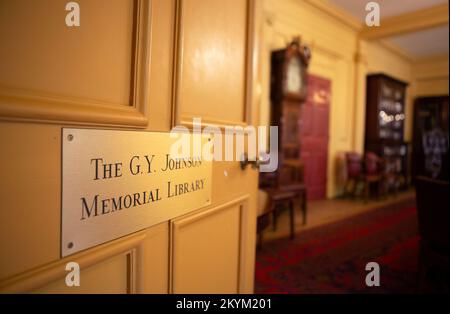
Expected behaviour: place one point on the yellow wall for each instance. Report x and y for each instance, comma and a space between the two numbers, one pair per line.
338, 54
431, 76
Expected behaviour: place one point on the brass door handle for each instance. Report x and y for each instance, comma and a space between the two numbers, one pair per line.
255, 163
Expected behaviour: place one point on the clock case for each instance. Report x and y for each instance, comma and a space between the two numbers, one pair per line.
286, 114
279, 72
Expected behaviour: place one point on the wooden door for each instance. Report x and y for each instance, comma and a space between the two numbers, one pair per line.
314, 136
142, 65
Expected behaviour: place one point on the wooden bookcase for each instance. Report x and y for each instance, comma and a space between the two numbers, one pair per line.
385, 120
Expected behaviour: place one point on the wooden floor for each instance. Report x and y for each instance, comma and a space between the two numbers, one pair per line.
329, 211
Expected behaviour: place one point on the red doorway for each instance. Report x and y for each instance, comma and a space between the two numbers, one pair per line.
314, 136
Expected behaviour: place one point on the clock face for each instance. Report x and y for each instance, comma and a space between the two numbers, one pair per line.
294, 76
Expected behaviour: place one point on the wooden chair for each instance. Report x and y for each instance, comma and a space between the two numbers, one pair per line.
354, 167
271, 201
433, 215
288, 178
373, 174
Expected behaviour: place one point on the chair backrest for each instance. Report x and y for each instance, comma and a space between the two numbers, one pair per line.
354, 164
372, 164
433, 211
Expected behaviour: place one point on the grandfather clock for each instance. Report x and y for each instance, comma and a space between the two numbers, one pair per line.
288, 91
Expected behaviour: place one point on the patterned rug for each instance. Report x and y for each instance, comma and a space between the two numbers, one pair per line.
332, 258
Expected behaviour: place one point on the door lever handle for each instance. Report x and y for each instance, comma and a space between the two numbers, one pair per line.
255, 163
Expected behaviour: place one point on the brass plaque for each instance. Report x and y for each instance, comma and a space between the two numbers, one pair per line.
118, 182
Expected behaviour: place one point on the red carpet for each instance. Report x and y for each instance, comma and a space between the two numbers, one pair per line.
332, 258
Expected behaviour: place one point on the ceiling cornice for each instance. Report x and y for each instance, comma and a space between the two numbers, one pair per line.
407, 23
434, 58
337, 13
396, 49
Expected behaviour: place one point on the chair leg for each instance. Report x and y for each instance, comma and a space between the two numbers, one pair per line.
357, 192
274, 218
379, 190
303, 206
366, 191
348, 191
292, 218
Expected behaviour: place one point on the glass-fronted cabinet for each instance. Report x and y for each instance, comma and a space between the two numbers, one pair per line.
385, 123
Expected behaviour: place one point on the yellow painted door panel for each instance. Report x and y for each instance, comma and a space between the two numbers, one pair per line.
212, 60
110, 276
93, 61
212, 235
